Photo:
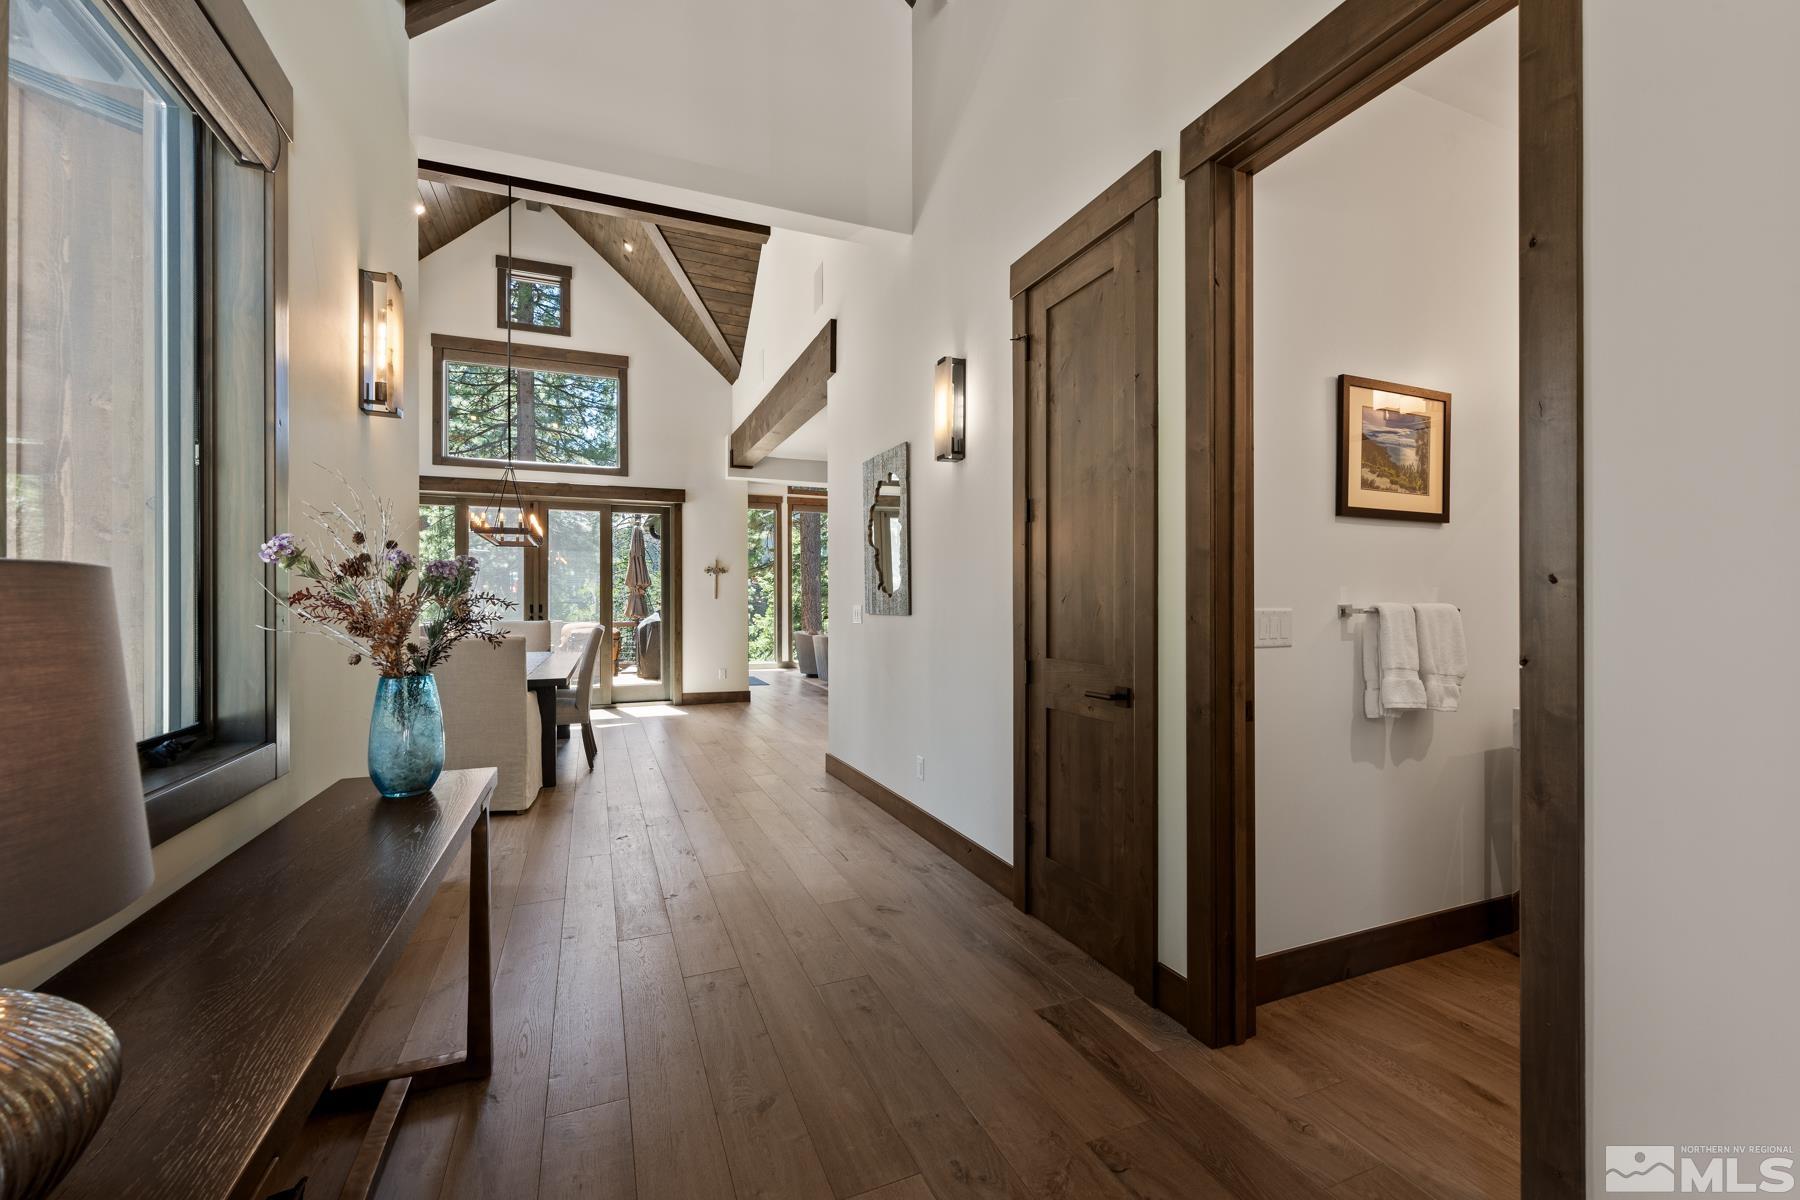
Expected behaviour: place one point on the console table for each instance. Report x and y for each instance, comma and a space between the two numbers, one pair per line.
236, 997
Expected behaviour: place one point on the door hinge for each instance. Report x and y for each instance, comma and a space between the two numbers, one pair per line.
1249, 710
1030, 510
1030, 670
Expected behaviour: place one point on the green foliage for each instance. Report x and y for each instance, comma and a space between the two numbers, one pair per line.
759, 544
555, 416
535, 303
803, 577
437, 531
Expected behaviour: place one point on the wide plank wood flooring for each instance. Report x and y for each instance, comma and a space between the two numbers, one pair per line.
721, 974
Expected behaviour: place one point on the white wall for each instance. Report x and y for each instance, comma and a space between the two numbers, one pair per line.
798, 104
1385, 247
1692, 490
679, 409
1023, 111
351, 193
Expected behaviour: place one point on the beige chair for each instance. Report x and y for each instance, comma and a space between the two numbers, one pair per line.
480, 730
575, 705
535, 633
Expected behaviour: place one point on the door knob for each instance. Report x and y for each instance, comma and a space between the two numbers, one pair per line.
1119, 696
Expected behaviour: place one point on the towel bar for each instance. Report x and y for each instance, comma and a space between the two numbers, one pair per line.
1346, 611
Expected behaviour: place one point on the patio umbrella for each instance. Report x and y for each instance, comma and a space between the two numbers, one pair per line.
637, 578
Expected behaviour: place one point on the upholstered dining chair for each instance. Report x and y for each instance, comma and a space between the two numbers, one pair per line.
574, 705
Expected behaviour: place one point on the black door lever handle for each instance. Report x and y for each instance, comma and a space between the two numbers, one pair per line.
1120, 696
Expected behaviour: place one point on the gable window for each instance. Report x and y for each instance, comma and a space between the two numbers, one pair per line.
534, 296
566, 411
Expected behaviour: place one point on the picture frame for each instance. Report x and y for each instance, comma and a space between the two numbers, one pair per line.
1393, 451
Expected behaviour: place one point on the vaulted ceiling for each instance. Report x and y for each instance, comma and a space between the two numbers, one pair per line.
698, 273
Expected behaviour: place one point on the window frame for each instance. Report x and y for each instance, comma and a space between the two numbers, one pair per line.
198, 46
446, 348
505, 268
783, 652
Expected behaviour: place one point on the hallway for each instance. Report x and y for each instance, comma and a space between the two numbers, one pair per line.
720, 973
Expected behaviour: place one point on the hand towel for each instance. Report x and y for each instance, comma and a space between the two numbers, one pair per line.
1443, 655
1371, 664
1401, 687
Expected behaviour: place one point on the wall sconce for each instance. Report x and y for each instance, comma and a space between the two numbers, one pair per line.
381, 344
950, 409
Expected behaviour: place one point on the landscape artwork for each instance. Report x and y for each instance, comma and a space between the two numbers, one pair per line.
1393, 451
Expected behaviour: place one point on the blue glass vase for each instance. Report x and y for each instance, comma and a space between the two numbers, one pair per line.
406, 736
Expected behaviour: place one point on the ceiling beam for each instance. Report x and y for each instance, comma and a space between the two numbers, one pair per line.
665, 215
661, 245
422, 16
797, 397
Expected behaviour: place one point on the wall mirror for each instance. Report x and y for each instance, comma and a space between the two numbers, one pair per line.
887, 565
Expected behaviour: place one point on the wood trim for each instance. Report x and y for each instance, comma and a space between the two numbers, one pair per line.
1099, 217
1170, 988
180, 34
1356, 51
1021, 636
1552, 581
675, 601
238, 29
783, 656
503, 270
691, 698
979, 861
1318, 964
476, 179
483, 486
529, 356
654, 235
797, 397
422, 16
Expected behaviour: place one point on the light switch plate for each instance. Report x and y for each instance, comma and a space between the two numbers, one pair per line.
1274, 627
856, 614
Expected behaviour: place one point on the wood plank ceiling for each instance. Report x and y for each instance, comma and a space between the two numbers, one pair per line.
701, 280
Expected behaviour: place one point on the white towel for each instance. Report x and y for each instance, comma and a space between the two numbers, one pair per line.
1443, 655
1371, 656
1398, 654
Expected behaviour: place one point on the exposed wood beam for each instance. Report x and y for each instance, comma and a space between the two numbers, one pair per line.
797, 397
661, 244
422, 16
746, 232
651, 276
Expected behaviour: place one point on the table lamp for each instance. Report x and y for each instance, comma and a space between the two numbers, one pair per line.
74, 850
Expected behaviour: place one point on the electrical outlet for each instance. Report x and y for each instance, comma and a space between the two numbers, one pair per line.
856, 614
1274, 627
919, 765
721, 674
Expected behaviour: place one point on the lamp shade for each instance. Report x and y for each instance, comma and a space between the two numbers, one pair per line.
74, 839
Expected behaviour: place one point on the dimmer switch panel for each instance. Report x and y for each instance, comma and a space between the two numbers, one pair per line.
1274, 627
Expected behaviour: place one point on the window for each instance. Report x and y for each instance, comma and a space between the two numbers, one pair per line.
762, 546
140, 406
809, 561
534, 295
566, 411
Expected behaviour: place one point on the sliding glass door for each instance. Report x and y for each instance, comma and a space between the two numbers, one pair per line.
599, 562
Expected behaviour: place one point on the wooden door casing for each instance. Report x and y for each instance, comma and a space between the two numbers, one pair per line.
1085, 395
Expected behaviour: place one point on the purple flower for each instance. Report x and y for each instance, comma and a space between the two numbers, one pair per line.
279, 548
469, 563
397, 558
444, 569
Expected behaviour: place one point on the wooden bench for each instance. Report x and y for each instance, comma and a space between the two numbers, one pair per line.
236, 997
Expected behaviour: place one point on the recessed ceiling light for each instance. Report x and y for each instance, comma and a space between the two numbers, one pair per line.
418, 210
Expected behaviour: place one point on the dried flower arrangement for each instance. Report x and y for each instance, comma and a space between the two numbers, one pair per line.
360, 599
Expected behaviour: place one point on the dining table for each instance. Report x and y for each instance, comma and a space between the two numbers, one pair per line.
545, 671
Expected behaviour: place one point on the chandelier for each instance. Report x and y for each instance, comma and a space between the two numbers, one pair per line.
490, 523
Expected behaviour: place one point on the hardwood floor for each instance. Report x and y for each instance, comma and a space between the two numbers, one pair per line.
720, 973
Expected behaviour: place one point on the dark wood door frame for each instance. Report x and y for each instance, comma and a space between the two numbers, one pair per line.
1133, 197
1357, 51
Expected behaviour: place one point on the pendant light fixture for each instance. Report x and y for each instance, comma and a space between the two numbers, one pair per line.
490, 523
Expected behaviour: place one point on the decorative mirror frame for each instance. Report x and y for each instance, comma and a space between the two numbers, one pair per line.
895, 462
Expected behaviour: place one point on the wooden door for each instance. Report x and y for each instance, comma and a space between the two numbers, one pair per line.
1088, 355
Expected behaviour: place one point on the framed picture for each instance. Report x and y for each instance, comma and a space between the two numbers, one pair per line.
1393, 458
